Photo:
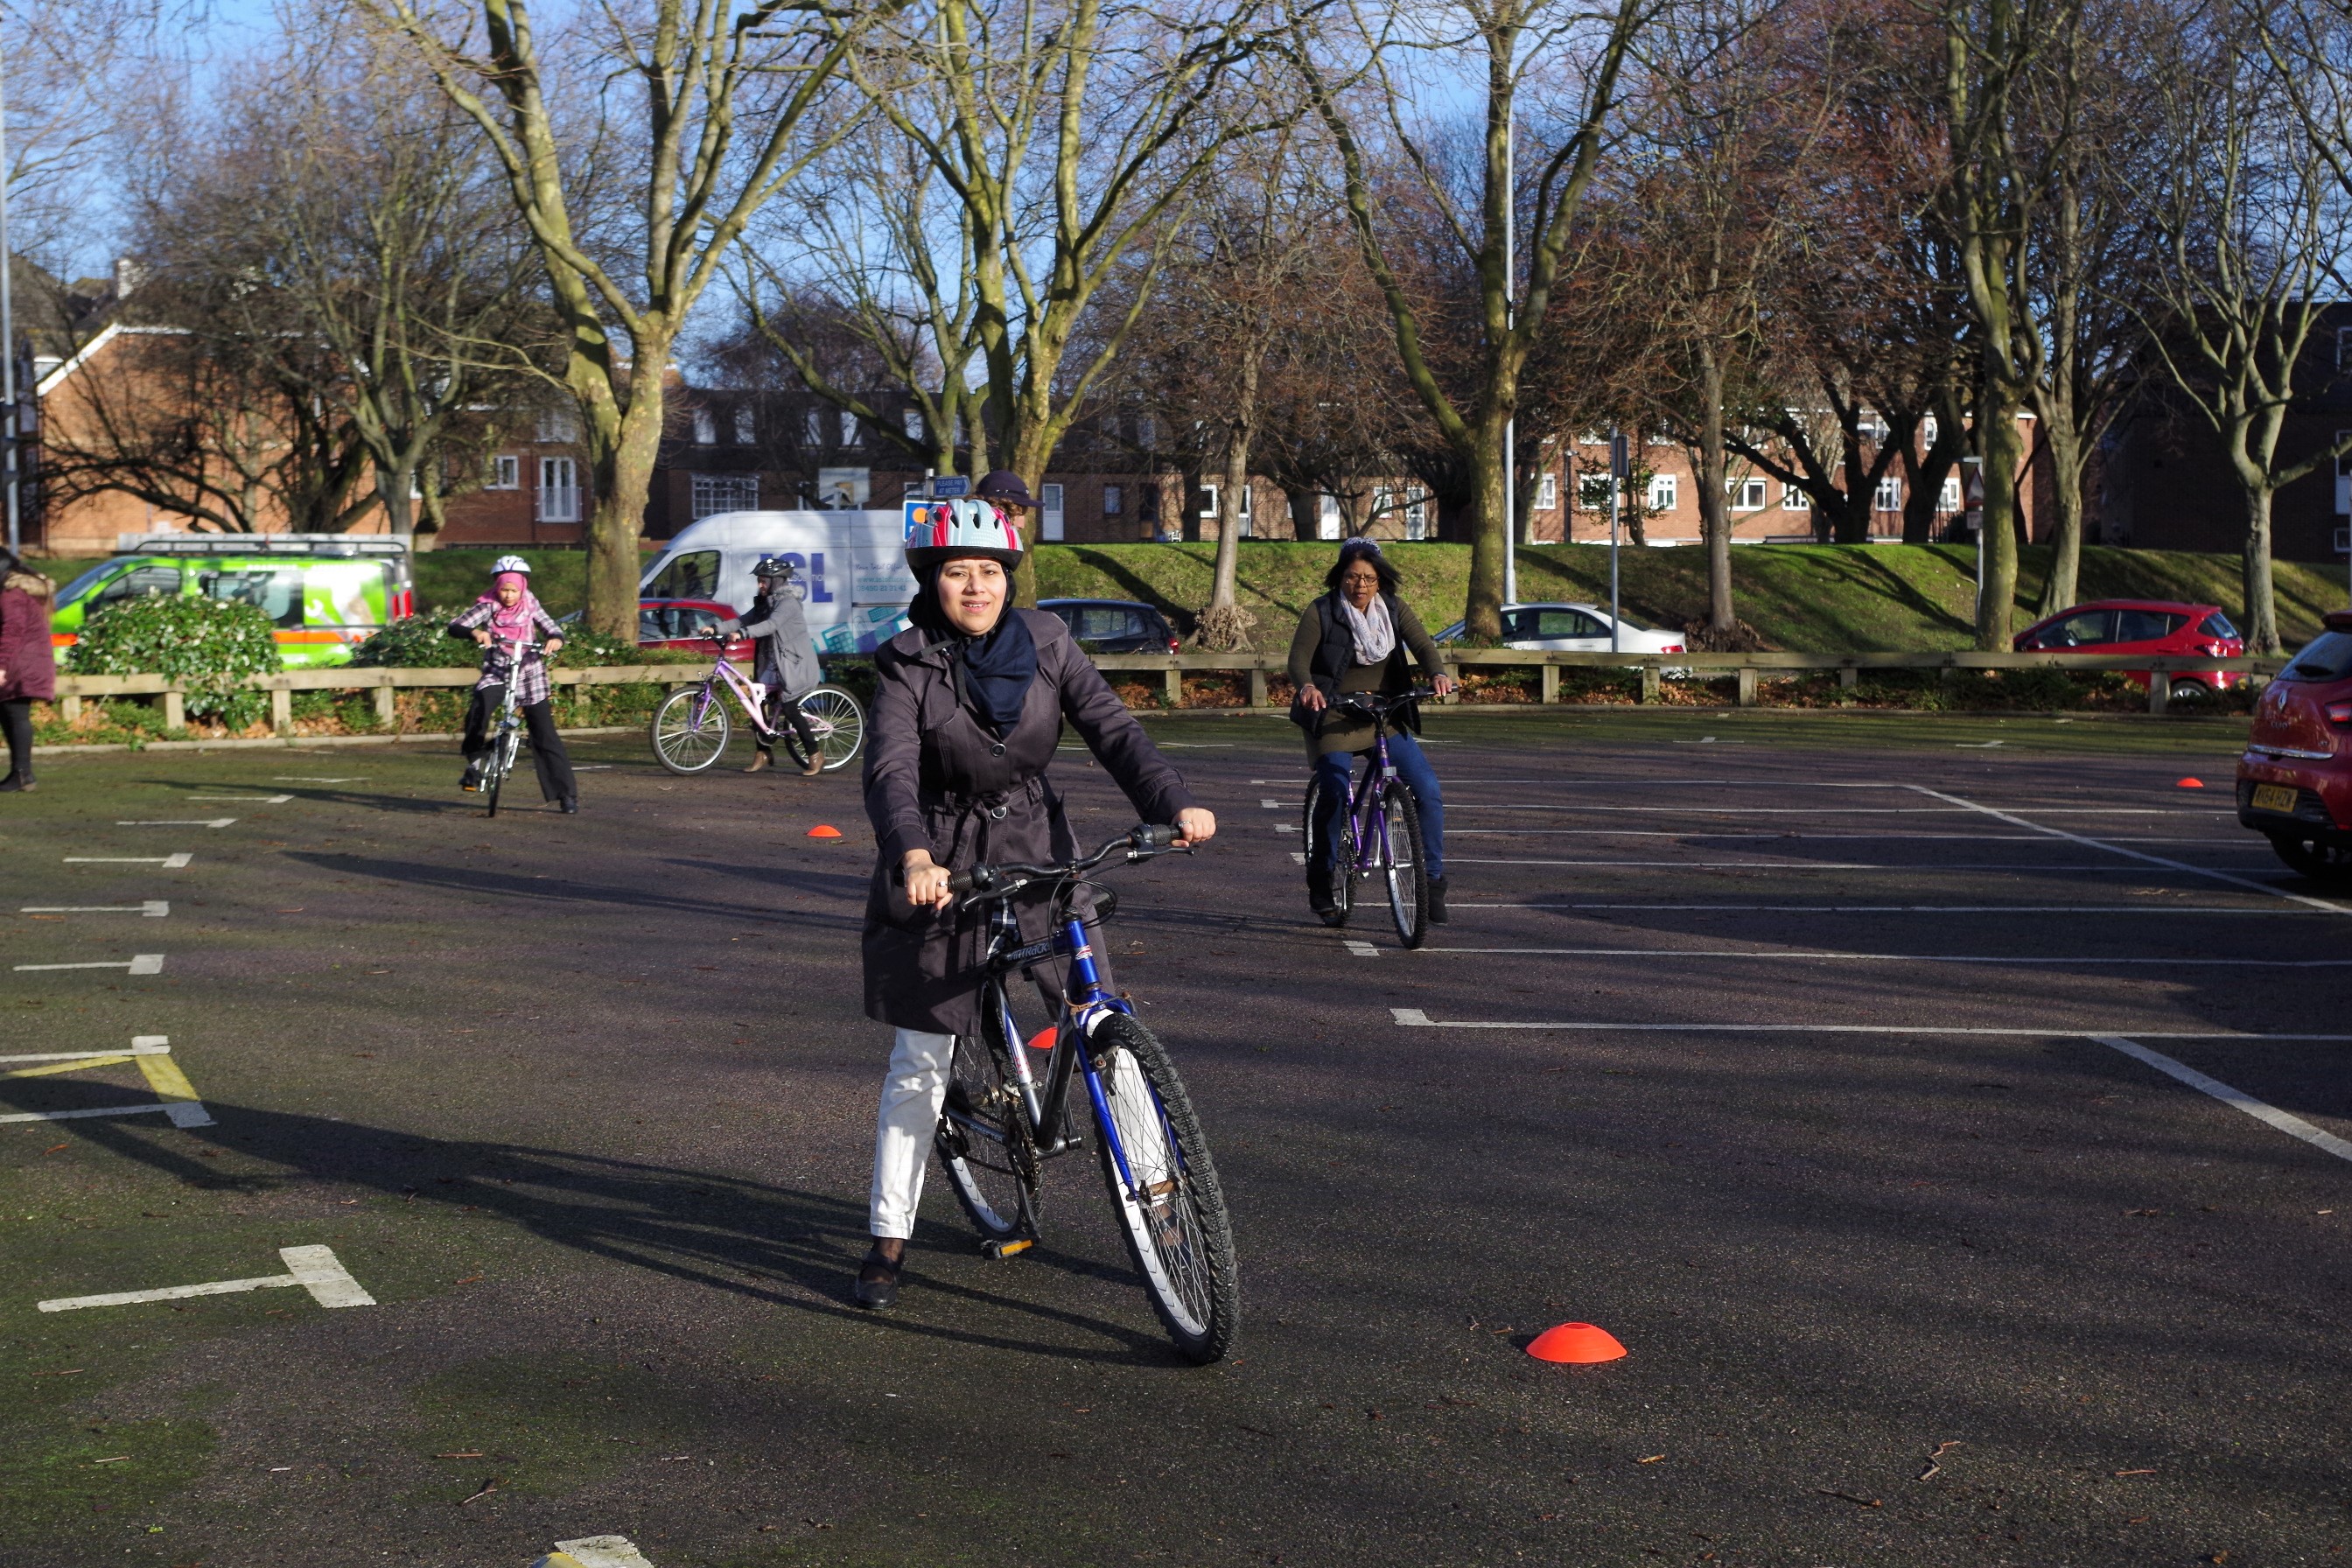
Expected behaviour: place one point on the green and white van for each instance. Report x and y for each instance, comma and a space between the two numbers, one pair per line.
324, 590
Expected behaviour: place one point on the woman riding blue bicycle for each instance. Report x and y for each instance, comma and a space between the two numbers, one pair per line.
969, 705
1353, 640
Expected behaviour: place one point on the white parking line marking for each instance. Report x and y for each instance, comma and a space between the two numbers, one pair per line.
174, 1096
1417, 1018
248, 799
1362, 949
2236, 843
142, 1046
2293, 1126
1298, 857
315, 1269
1911, 871
183, 822
1842, 957
169, 862
1959, 810
1271, 804
2135, 854
154, 908
1913, 909
139, 963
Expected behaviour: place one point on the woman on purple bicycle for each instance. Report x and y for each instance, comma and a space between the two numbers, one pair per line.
1351, 640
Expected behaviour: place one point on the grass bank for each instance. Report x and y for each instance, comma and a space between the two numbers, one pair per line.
1804, 598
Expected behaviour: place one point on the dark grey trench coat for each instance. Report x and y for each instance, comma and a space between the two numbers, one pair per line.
936, 779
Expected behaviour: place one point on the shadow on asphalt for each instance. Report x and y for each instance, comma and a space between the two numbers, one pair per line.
799, 1249
561, 891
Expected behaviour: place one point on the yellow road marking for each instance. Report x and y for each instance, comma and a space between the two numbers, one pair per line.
78, 1066
164, 1077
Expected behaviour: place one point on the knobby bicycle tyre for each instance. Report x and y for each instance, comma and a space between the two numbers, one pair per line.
839, 722
503, 760
686, 741
1402, 865
985, 1144
1177, 1231
1310, 835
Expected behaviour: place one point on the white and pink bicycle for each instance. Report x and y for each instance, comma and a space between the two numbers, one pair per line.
692, 726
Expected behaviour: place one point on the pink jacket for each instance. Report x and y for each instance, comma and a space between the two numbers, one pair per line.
29, 667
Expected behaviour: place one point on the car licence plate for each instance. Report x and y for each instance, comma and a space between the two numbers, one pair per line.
2274, 797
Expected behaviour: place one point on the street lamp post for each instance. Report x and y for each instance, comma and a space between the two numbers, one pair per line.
8, 411
1510, 319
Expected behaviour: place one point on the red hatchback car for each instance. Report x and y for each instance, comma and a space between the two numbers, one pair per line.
2295, 782
2144, 625
681, 623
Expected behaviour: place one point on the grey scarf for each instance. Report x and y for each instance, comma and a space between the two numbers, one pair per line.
1375, 633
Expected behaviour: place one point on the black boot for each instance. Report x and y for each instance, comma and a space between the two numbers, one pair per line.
1318, 893
877, 1282
14, 782
1437, 916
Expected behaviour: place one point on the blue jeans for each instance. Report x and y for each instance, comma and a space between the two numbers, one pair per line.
1335, 771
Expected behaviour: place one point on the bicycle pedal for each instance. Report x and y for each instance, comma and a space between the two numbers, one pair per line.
1001, 1250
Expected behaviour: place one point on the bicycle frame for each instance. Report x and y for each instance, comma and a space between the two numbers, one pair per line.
1363, 808
724, 672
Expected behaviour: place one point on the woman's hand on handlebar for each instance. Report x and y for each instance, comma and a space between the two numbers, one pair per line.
1442, 684
1311, 699
481, 638
1196, 825
927, 881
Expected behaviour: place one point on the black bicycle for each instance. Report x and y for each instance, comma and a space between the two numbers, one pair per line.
1007, 1113
1378, 830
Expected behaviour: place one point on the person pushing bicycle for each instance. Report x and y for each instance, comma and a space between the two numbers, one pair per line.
787, 664
503, 622
969, 705
1353, 639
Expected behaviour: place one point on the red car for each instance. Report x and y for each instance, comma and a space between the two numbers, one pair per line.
2145, 626
681, 623
2295, 782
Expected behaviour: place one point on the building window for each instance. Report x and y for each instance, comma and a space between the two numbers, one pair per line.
1416, 514
705, 428
1794, 499
1249, 519
559, 426
715, 493
505, 472
1114, 501
1747, 495
1927, 428
1327, 516
2343, 348
1665, 491
1208, 502
813, 428
1948, 497
848, 428
1889, 497
745, 432
1147, 430
910, 420
558, 491
1547, 492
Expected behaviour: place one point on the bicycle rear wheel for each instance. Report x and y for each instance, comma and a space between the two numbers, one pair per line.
1402, 865
690, 730
1171, 1211
839, 723
984, 1145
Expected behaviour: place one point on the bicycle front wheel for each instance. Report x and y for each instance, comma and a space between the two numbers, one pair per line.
838, 721
1402, 865
502, 761
1171, 1210
690, 730
984, 1145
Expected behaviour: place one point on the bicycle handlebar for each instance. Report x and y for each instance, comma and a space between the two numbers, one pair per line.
1139, 843
1378, 706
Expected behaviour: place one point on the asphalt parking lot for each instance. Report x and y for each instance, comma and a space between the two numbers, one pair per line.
1954, 1135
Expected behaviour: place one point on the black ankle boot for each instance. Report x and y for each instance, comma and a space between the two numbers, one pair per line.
16, 782
1319, 892
877, 1282
1437, 916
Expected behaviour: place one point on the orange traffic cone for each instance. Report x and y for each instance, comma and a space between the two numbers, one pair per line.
2192, 783
822, 831
1575, 1342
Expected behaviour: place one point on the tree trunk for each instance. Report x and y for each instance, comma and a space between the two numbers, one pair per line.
2261, 627
2003, 458
1222, 622
1713, 504
622, 468
1488, 481
393, 486
2059, 589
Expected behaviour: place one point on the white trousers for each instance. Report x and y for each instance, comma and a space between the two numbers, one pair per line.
913, 1089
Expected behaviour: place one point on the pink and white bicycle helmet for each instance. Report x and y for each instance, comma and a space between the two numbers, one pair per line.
943, 530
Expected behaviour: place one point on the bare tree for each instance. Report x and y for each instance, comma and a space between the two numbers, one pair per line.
735, 102
2253, 216
1548, 66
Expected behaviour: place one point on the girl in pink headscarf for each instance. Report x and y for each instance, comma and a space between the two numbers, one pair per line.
508, 615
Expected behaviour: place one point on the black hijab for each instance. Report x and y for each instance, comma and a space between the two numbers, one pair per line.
997, 665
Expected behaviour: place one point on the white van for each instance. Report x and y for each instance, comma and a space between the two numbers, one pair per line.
851, 564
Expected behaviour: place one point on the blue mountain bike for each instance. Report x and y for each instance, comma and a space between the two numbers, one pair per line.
1008, 1103
1378, 828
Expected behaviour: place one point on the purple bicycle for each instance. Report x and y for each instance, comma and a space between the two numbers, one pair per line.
1378, 829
